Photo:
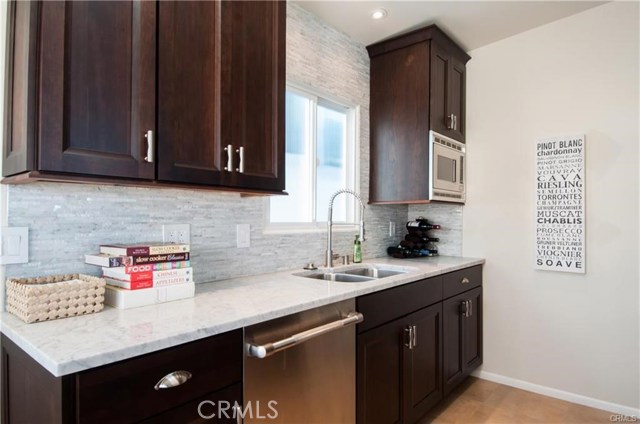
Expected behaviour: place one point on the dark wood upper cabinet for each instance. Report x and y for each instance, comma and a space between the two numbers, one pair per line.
82, 83
20, 83
253, 92
448, 91
189, 92
417, 85
97, 87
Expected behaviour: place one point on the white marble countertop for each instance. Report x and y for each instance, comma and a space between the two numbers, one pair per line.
75, 344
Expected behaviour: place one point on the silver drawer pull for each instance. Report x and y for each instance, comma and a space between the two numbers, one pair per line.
173, 379
240, 153
465, 280
149, 137
268, 349
229, 150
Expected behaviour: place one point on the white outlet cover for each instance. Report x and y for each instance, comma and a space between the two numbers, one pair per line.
176, 233
14, 245
243, 235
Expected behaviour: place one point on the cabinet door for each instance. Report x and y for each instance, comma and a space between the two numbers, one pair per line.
189, 92
20, 82
205, 410
440, 114
452, 330
462, 337
400, 125
379, 374
456, 98
423, 363
253, 89
472, 334
97, 87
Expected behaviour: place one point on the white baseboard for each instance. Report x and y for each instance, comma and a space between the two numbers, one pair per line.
558, 394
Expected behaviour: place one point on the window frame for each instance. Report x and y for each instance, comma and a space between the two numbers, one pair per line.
318, 97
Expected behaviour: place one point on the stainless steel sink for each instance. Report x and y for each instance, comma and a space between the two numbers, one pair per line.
342, 278
356, 274
374, 272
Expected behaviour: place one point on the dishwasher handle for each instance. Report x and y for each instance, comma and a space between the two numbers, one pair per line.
268, 349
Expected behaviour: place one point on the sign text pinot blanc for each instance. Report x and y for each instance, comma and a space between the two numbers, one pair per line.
560, 192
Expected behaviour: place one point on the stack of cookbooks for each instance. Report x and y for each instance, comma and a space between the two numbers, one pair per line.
144, 273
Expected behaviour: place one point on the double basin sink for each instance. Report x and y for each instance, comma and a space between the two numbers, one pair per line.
355, 274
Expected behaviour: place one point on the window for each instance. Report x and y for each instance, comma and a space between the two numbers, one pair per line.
320, 159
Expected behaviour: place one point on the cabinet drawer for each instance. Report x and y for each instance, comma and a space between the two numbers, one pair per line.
189, 413
387, 305
461, 281
125, 392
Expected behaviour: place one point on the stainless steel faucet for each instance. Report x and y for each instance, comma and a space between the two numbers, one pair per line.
329, 254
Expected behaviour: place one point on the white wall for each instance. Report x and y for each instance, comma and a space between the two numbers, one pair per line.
575, 336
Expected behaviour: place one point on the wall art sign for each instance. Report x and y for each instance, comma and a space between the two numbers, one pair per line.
560, 197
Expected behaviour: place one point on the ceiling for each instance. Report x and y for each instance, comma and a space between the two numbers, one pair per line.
471, 24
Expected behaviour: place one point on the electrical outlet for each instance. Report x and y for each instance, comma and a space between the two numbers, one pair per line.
176, 233
392, 229
243, 235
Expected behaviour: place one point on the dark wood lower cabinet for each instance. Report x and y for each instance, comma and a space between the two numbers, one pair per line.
416, 345
124, 392
462, 337
379, 374
214, 408
423, 363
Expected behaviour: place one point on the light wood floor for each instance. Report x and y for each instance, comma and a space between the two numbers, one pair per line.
480, 401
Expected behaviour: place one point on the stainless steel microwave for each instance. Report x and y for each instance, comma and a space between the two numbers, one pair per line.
447, 177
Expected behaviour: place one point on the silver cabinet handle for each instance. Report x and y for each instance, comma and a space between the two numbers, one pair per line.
451, 121
408, 332
149, 137
240, 152
414, 342
465, 280
173, 379
268, 349
229, 150
465, 308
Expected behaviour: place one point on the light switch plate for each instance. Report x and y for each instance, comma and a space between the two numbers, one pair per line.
14, 245
243, 235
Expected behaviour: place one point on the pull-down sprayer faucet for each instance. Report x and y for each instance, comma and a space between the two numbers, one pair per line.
329, 254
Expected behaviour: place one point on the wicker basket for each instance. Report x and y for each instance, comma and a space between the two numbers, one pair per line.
57, 296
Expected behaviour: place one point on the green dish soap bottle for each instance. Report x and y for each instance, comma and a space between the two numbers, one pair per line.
357, 250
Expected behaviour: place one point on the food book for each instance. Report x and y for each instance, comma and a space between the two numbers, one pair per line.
109, 261
146, 275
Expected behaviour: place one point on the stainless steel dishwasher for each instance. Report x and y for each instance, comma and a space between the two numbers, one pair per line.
306, 364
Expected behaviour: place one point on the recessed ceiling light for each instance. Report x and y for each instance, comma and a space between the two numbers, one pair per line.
378, 14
